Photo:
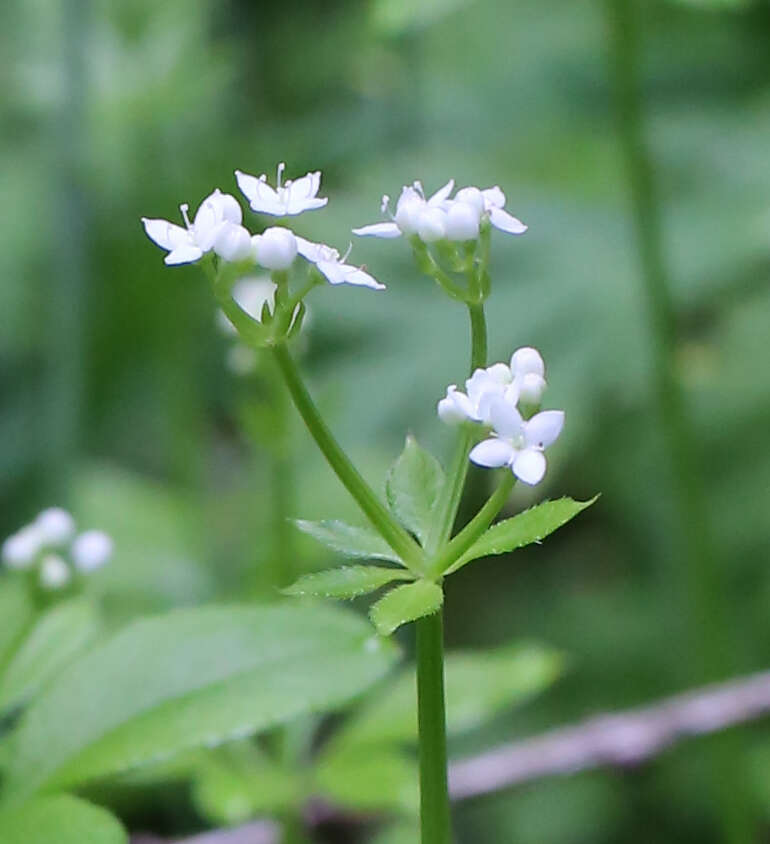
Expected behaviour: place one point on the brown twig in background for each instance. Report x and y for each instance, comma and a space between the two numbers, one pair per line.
621, 739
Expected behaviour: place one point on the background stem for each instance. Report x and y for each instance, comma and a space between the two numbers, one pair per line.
434, 792
700, 583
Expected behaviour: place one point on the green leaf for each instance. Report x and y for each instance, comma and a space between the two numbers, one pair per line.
346, 582
405, 603
16, 612
57, 637
237, 782
413, 487
363, 780
188, 678
479, 685
349, 540
532, 525
61, 819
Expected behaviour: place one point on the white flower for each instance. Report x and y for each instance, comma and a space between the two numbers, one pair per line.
20, 550
485, 385
333, 267
55, 526
489, 203
518, 443
413, 213
54, 572
241, 360
527, 360
218, 212
250, 294
91, 550
440, 217
275, 248
293, 197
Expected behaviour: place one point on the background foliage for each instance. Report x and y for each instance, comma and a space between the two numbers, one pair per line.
115, 398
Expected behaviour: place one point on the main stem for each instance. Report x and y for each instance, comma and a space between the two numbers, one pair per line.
398, 539
434, 791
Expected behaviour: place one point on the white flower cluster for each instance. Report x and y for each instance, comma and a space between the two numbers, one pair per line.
491, 398
218, 227
440, 217
50, 544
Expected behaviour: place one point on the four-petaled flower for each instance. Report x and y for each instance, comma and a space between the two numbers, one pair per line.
518, 443
285, 200
216, 225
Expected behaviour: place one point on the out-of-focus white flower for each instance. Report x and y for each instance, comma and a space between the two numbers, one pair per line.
55, 526
333, 267
217, 213
21, 549
250, 294
414, 214
482, 388
91, 550
54, 572
275, 248
526, 361
287, 199
462, 221
518, 443
241, 359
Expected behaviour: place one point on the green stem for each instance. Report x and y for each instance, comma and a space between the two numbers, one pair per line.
475, 527
398, 539
446, 510
701, 581
434, 793
478, 337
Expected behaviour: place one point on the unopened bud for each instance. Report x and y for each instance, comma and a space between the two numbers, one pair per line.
527, 360
233, 243
20, 550
54, 572
462, 221
431, 225
275, 248
91, 550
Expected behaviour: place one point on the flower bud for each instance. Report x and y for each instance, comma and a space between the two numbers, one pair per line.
531, 389
462, 221
431, 225
472, 197
454, 408
91, 550
54, 572
275, 248
19, 551
527, 360
55, 526
408, 210
233, 243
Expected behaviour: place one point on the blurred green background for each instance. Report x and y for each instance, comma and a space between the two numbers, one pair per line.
115, 398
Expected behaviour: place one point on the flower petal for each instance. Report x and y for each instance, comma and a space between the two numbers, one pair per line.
506, 222
544, 428
387, 230
165, 234
185, 254
338, 273
492, 453
529, 466
505, 419
442, 193
493, 198
308, 249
